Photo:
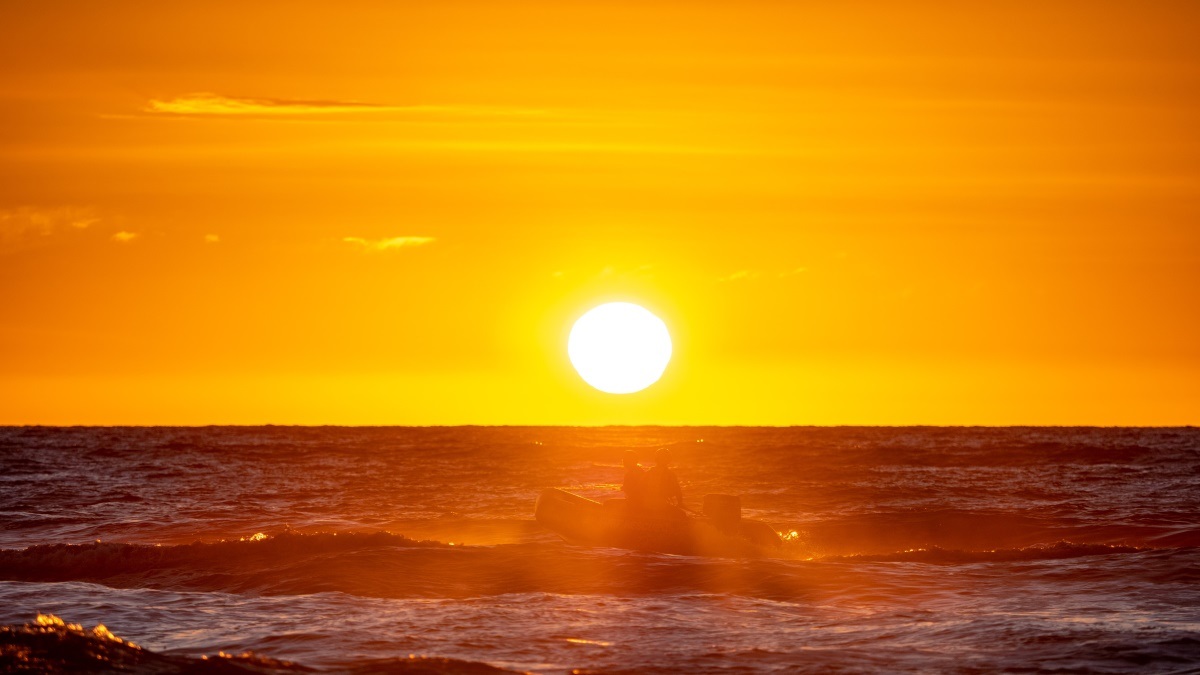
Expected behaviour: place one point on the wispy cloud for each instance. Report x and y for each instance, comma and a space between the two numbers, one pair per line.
33, 226
204, 103
207, 104
26, 220
389, 244
124, 237
212, 239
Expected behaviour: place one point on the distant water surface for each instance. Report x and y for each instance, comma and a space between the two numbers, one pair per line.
908, 549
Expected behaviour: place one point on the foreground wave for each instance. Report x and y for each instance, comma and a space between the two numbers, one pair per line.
51, 645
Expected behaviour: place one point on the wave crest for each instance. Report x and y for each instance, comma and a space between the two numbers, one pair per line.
1057, 551
51, 645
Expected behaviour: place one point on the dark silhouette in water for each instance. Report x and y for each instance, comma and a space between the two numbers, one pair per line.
652, 517
662, 486
651, 494
634, 484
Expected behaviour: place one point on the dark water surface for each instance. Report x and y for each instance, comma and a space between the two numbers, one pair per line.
909, 549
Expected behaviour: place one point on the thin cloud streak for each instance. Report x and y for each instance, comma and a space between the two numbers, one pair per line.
204, 103
207, 104
389, 244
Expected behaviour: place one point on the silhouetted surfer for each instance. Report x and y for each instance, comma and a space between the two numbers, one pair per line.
634, 485
662, 487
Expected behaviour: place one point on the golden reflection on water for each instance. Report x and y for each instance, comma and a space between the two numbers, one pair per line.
583, 641
100, 631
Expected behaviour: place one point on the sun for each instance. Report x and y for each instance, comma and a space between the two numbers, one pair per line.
619, 347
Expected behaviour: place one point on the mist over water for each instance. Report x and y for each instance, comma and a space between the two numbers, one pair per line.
907, 548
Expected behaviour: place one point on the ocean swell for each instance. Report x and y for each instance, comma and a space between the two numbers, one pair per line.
393, 566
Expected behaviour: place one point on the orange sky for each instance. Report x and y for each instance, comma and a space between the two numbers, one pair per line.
847, 213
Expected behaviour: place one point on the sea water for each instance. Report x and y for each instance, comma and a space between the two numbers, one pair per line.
907, 549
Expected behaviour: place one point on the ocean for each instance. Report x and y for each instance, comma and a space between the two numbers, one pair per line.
921, 549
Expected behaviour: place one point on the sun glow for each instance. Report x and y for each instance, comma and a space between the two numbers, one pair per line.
847, 214
619, 347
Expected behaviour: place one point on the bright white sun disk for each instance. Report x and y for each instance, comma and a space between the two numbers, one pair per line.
619, 347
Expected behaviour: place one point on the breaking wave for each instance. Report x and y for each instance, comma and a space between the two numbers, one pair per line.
50, 645
389, 565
